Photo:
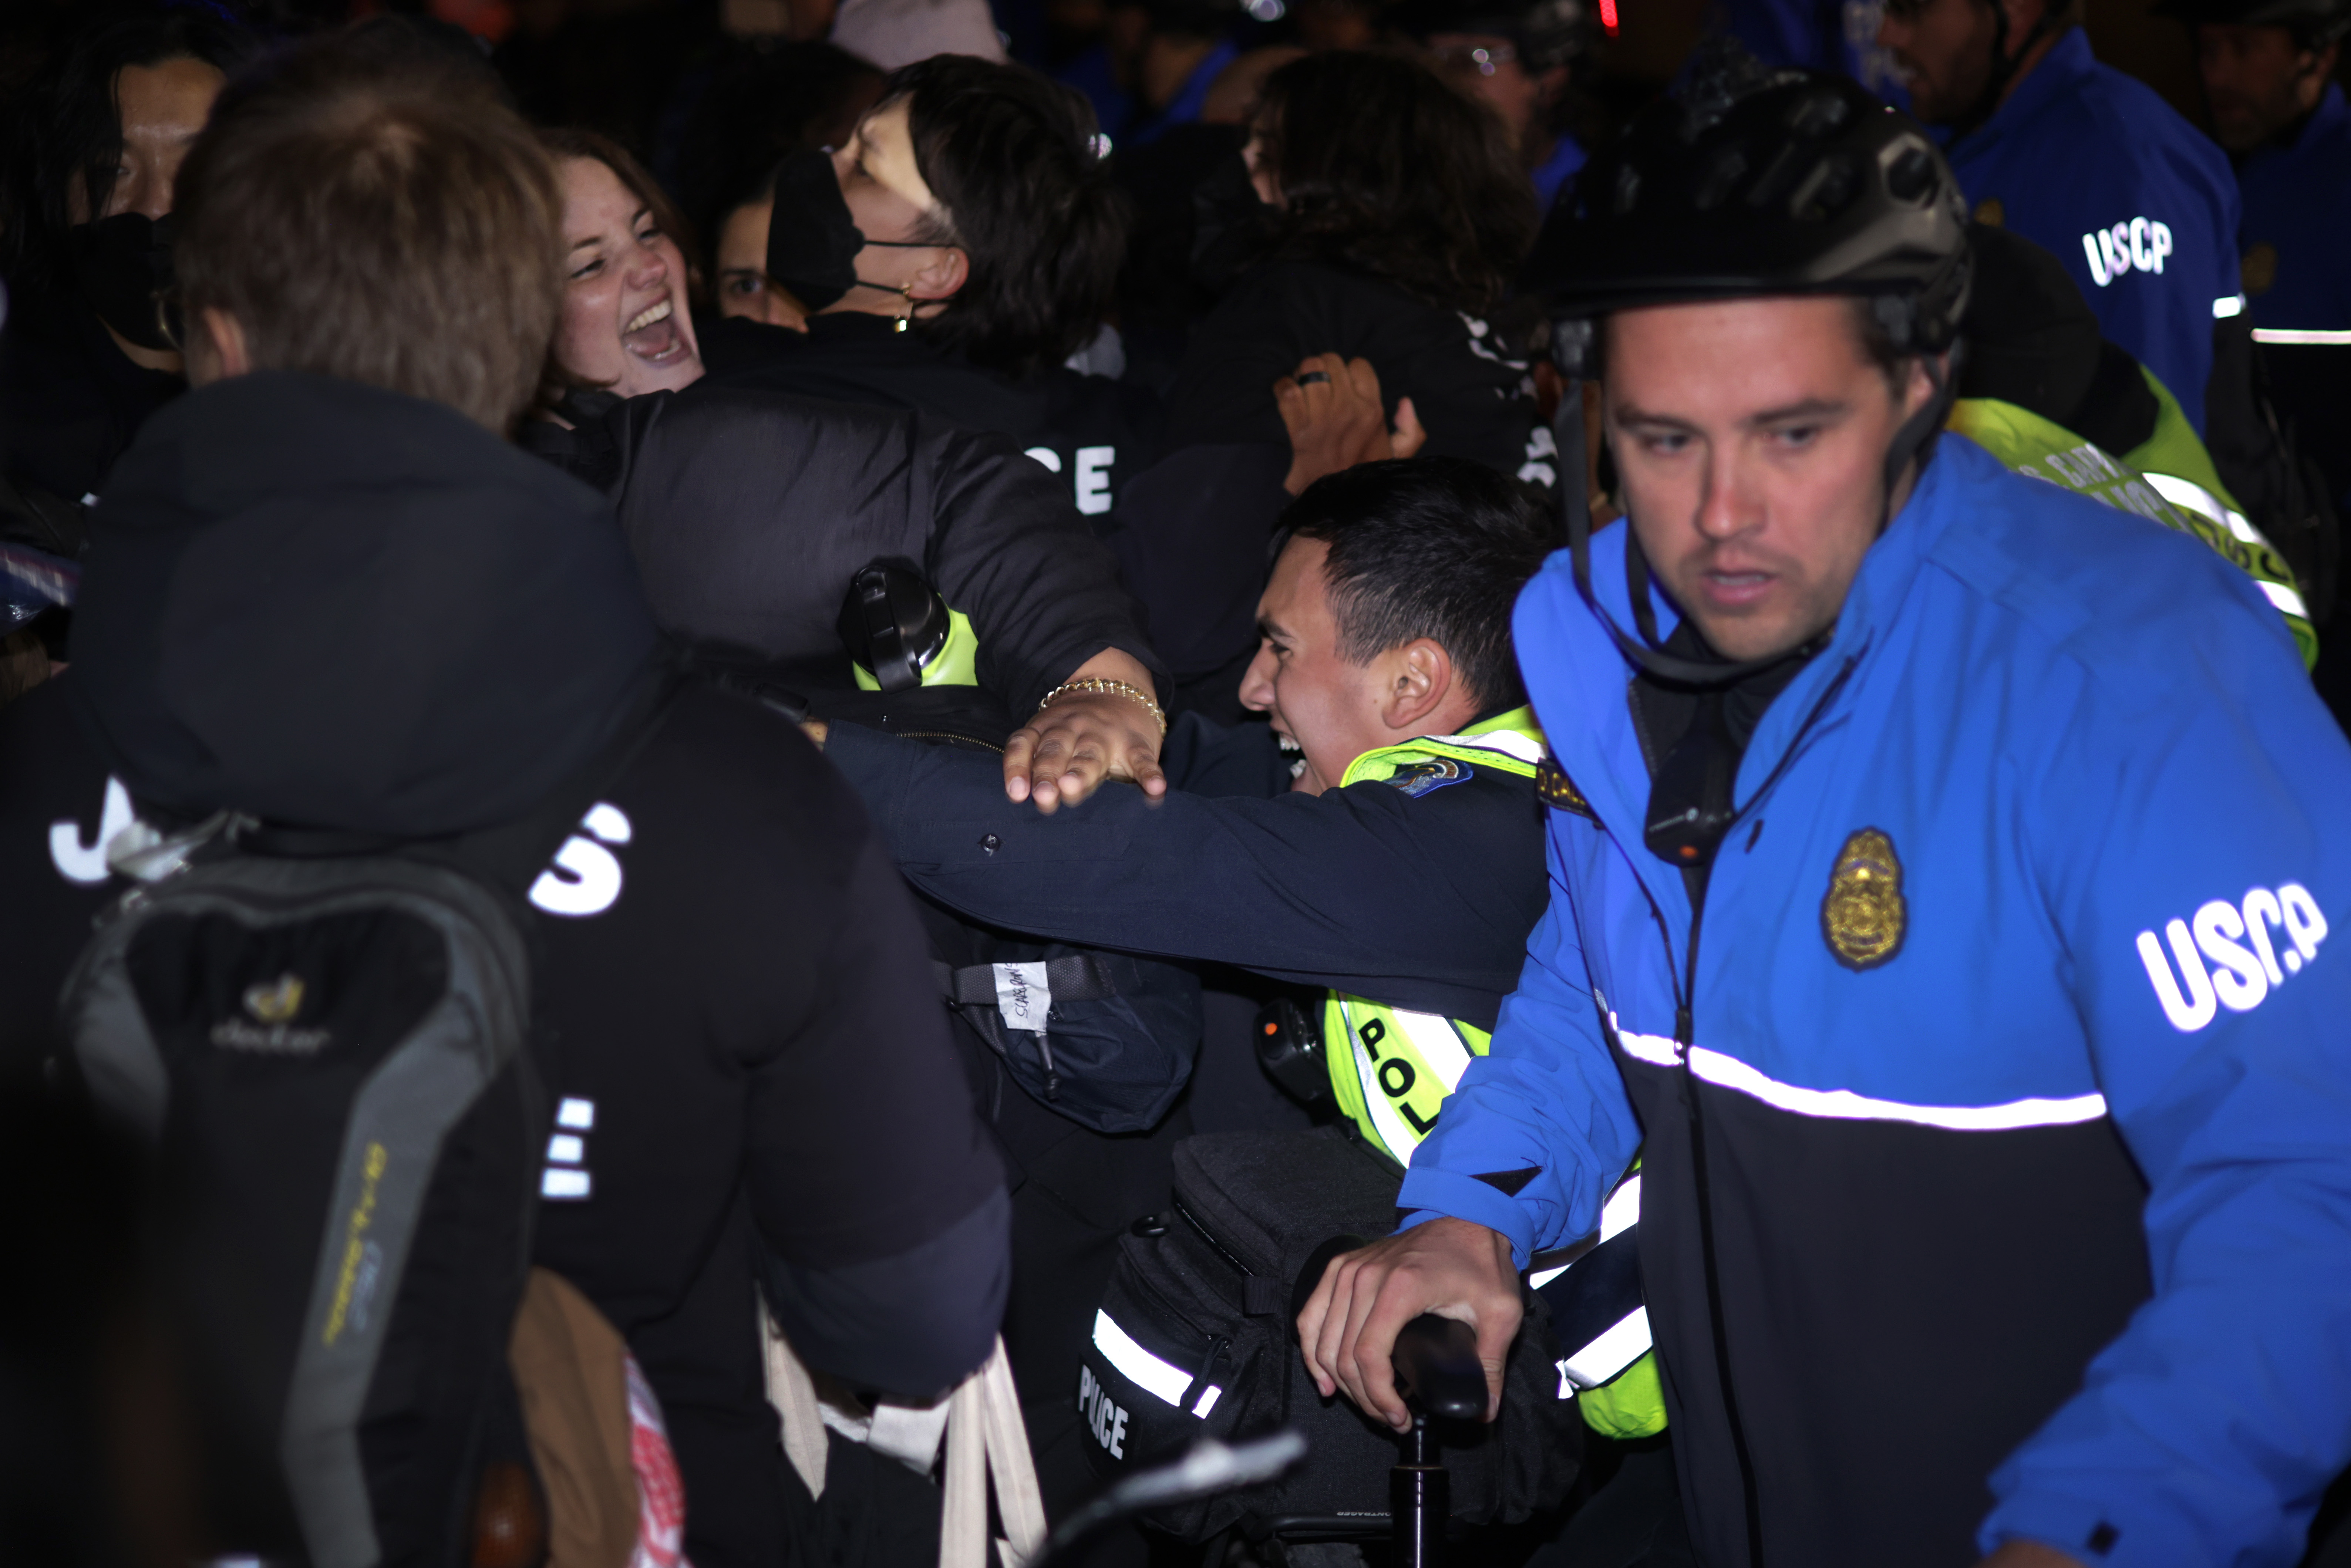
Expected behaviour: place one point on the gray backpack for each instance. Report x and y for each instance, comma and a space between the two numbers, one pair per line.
329, 1055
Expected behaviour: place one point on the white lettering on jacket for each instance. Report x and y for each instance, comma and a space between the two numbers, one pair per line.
2135, 244
86, 864
1090, 485
2247, 961
586, 876
1106, 1417
566, 1179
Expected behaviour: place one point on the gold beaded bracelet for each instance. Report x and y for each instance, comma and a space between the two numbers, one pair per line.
1115, 688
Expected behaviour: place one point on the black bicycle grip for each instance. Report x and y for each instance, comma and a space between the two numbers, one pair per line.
1435, 1362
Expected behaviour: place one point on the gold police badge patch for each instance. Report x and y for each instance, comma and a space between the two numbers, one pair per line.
1556, 788
2259, 270
1864, 915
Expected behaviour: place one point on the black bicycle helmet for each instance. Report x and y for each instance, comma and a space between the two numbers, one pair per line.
2316, 23
1760, 182
1751, 183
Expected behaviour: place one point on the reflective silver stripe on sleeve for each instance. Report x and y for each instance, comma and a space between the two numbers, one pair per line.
1619, 1215
1438, 1047
2287, 601
2228, 304
1845, 1105
1624, 1343
2196, 498
2306, 336
1509, 742
1145, 1370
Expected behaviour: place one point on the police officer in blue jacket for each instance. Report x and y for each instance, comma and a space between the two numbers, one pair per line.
2086, 161
1942, 892
2269, 67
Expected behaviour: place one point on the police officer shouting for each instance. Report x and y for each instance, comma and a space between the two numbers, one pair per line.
1398, 870
2085, 161
1940, 901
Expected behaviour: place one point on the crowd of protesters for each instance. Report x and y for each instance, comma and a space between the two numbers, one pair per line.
827, 517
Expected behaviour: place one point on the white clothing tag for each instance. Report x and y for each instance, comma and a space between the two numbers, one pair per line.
1023, 995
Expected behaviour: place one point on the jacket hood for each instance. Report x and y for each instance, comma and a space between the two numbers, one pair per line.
334, 606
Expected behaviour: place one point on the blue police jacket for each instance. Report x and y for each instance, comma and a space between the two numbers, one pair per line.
2297, 228
2138, 205
2009, 1079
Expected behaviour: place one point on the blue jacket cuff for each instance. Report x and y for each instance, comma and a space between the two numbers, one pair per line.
2125, 1532
1431, 1193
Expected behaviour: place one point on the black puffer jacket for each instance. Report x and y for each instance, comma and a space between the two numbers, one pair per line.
750, 512
1094, 431
329, 605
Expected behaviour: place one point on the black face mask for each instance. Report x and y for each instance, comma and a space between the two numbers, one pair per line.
812, 242
123, 266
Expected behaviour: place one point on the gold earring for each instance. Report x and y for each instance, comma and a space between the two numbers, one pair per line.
906, 292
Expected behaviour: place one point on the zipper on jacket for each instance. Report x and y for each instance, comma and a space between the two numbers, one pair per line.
1202, 1231
1684, 1031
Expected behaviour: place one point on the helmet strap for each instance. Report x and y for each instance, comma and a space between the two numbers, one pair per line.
1919, 427
2004, 67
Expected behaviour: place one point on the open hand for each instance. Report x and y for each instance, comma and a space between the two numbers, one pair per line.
1331, 409
1070, 746
1449, 1267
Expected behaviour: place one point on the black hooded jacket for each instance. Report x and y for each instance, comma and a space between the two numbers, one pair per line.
333, 606
749, 511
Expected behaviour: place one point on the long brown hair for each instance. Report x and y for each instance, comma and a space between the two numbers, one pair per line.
1385, 168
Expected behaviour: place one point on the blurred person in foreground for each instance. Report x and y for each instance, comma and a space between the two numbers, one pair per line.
85, 241
326, 593
1844, 719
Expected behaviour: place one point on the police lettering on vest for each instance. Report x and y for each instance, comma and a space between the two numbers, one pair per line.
1392, 1068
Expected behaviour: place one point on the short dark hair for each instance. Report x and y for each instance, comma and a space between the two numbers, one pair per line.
1387, 170
1014, 162
368, 207
71, 129
1428, 547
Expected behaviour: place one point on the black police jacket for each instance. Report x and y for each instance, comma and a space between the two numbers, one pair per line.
334, 606
1413, 900
748, 512
1093, 432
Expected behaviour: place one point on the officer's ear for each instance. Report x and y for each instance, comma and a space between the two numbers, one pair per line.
1420, 679
216, 348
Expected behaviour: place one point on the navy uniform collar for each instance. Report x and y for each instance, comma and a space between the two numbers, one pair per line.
2060, 74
